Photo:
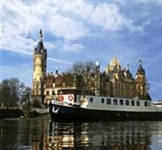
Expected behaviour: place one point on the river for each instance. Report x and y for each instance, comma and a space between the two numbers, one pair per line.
42, 134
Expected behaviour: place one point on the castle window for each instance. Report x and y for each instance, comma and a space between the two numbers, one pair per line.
145, 104
47, 92
109, 101
53, 92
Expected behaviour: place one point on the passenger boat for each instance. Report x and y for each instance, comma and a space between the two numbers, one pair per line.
71, 106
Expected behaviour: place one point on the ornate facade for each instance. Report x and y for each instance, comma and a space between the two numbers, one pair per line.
53, 83
122, 84
114, 82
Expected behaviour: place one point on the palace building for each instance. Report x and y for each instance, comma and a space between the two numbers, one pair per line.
115, 81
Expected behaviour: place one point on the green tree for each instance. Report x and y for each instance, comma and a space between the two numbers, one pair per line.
11, 91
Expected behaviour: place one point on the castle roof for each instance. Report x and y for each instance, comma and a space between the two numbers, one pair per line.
40, 45
140, 69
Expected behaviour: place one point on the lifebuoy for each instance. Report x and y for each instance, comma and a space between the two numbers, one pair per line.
61, 98
70, 97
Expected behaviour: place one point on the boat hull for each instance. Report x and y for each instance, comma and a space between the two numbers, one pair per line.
72, 113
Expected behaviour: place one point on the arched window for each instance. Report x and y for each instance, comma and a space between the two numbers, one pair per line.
53, 92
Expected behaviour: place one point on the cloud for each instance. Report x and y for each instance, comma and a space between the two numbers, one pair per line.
109, 18
150, 1
66, 27
70, 20
81, 8
19, 19
59, 61
74, 47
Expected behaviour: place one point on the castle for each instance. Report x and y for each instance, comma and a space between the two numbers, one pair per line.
114, 81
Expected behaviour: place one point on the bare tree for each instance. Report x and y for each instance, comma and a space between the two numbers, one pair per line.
83, 70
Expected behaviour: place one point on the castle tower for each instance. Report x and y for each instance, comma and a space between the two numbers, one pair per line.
39, 69
141, 84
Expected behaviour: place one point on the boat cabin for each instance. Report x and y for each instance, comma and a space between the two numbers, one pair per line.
67, 95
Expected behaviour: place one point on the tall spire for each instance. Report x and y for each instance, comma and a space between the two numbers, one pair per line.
40, 34
140, 61
127, 68
40, 46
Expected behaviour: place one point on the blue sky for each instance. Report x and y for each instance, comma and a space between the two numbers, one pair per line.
82, 30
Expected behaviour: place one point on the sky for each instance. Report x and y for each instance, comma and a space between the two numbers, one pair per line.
82, 30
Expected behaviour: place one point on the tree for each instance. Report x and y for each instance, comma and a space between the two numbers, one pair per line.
26, 94
11, 91
84, 70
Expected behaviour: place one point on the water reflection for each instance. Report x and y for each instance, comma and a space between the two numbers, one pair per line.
42, 134
109, 135
19, 134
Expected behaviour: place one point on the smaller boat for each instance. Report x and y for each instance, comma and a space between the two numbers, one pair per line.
69, 105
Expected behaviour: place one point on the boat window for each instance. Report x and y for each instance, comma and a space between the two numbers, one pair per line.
121, 102
146, 104
115, 102
102, 100
132, 103
109, 101
127, 102
91, 99
138, 103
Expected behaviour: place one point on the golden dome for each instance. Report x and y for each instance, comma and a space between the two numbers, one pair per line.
114, 65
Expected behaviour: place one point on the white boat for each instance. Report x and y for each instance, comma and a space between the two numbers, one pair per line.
71, 106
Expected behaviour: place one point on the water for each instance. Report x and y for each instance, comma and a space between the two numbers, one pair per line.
42, 134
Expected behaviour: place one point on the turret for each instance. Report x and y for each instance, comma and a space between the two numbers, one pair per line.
141, 82
97, 65
140, 70
97, 76
56, 72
